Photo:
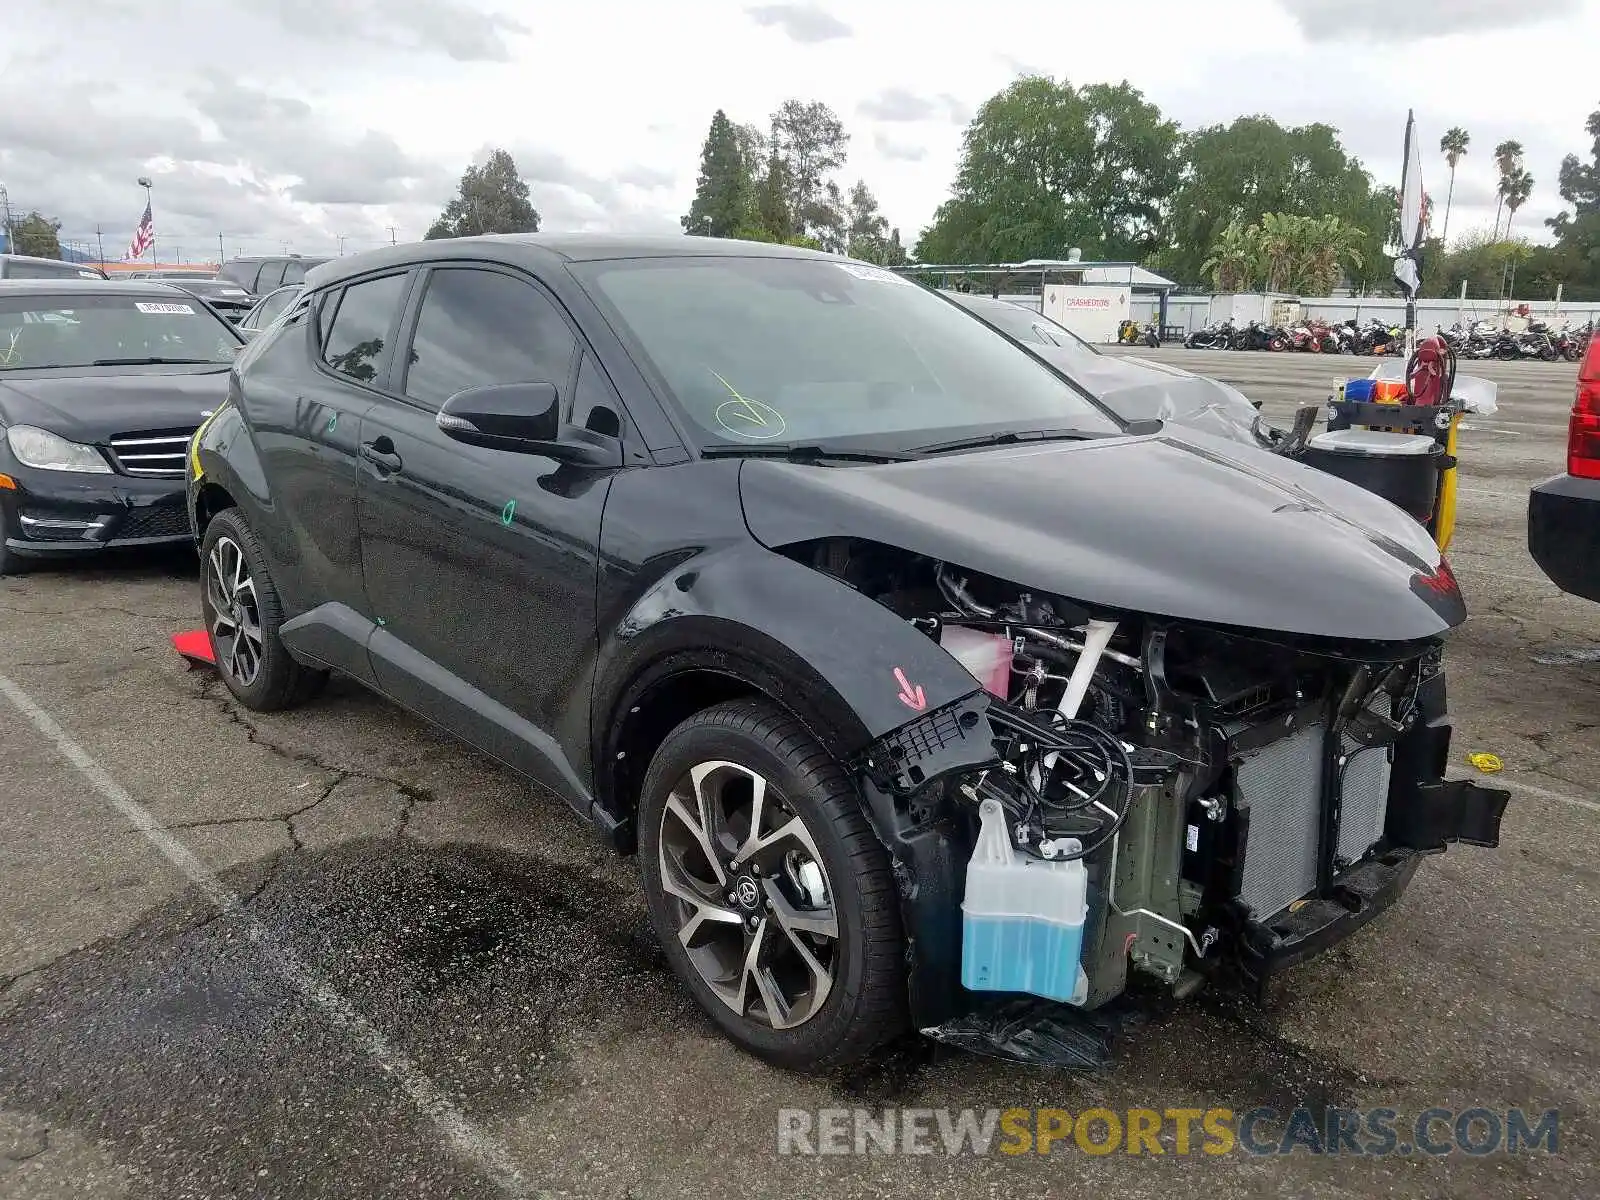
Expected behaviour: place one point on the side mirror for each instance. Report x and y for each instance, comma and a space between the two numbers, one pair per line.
524, 418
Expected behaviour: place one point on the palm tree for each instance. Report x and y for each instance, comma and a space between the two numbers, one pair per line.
1508, 160
1330, 245
1235, 260
1453, 145
1518, 188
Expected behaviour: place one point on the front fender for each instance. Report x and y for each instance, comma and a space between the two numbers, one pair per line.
223, 453
842, 659
846, 666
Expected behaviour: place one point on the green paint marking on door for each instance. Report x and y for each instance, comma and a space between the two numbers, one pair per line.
381, 621
332, 421
508, 513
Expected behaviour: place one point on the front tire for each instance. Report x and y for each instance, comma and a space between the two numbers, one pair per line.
768, 890
243, 614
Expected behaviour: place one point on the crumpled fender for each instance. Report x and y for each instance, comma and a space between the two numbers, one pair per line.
742, 608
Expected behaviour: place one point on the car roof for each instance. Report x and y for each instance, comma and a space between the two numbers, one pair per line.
39, 259
532, 249
95, 287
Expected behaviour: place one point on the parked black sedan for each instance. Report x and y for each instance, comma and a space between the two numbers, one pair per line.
789, 575
101, 386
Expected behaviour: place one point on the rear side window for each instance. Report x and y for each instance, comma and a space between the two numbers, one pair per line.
269, 308
357, 342
294, 272
242, 273
480, 327
271, 276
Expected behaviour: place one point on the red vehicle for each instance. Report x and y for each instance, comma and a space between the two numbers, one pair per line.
1564, 512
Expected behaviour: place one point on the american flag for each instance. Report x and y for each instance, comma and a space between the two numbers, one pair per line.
145, 236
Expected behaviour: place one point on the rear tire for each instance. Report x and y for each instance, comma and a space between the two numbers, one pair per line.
768, 890
243, 614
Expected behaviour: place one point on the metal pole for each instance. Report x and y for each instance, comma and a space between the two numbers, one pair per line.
148, 203
222, 255
100, 242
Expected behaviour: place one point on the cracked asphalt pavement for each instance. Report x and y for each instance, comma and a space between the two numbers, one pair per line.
153, 1044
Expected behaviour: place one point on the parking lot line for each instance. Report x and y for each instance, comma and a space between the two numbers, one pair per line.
472, 1143
1547, 794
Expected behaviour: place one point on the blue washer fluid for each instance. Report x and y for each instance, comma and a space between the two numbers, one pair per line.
1022, 917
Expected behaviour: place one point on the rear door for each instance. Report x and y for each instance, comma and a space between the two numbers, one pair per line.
481, 564
307, 387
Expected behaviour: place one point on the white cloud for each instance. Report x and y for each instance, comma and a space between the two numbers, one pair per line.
298, 121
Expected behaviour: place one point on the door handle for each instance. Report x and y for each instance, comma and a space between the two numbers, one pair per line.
380, 453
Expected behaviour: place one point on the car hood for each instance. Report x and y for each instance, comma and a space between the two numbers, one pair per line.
1145, 391
1178, 525
98, 403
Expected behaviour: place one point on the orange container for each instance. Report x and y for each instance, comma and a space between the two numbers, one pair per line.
1388, 391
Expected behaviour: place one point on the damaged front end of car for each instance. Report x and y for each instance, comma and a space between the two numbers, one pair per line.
1227, 802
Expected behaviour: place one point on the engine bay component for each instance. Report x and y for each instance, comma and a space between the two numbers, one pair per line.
1022, 917
1225, 801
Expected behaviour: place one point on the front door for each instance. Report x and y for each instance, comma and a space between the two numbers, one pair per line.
480, 565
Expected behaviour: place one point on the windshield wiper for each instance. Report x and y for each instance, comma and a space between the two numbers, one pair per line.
1010, 437
154, 362
802, 453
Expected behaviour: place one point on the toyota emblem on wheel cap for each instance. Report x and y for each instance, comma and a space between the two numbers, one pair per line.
748, 895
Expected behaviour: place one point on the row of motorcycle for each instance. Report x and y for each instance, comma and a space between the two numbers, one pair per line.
1312, 337
1484, 339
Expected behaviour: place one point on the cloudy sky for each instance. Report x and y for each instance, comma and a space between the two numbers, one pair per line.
296, 122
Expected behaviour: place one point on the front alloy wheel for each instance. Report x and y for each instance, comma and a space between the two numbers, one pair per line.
749, 893
768, 890
235, 612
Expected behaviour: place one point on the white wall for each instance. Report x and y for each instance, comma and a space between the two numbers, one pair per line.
1094, 313
1193, 312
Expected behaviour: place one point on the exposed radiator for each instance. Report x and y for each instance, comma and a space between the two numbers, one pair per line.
1281, 790
1364, 802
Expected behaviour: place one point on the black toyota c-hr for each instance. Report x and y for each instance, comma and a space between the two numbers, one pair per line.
792, 576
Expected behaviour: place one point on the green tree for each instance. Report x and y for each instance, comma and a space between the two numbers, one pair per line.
774, 220
1236, 261
866, 229
1508, 161
37, 235
1045, 167
1453, 145
1575, 258
1286, 252
1244, 170
894, 254
724, 193
811, 142
1518, 188
491, 199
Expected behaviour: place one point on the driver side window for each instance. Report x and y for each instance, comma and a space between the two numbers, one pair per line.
479, 327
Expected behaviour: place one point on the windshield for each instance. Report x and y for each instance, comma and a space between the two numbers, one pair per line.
1025, 324
84, 331
779, 350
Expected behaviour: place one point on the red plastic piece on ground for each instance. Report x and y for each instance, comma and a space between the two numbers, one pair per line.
195, 646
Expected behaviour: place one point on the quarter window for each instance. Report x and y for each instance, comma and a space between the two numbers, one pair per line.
356, 343
481, 327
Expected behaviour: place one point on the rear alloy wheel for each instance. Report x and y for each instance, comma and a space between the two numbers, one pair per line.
242, 615
768, 890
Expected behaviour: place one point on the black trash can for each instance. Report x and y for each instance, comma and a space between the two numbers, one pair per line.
1403, 468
